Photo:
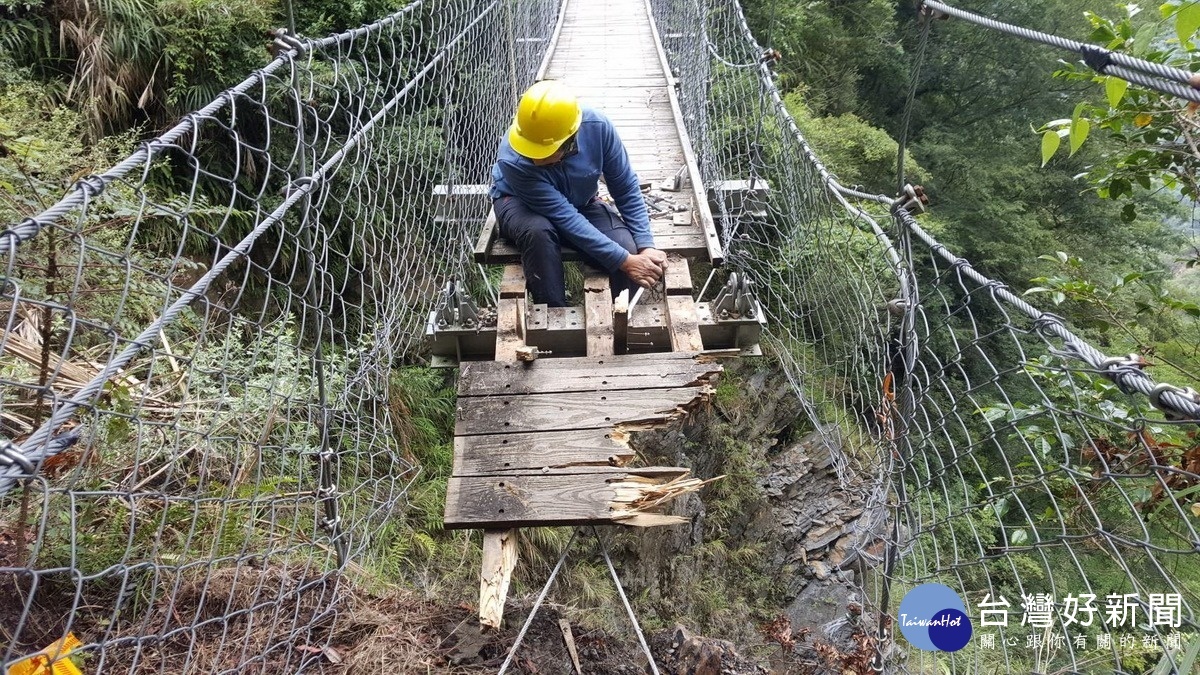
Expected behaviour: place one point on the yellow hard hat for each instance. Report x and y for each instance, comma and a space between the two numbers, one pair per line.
547, 116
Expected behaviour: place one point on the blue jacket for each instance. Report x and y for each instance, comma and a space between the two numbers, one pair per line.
559, 190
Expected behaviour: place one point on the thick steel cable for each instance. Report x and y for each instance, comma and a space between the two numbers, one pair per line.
1173, 398
1128, 376
1157, 76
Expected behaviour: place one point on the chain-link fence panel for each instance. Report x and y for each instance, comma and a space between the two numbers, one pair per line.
202, 441
1054, 489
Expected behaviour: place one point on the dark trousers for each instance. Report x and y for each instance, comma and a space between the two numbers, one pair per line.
541, 247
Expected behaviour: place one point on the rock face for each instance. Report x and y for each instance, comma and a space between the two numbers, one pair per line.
816, 524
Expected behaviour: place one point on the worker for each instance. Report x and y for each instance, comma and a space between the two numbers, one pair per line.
545, 194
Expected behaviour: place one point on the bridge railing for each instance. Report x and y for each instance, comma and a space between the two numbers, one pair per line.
203, 348
1018, 461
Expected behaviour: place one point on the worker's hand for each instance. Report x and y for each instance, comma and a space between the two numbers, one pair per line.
657, 256
644, 269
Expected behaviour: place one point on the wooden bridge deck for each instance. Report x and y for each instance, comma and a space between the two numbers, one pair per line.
608, 53
546, 442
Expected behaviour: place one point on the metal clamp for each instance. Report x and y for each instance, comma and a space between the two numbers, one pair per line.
1133, 361
1172, 413
736, 299
455, 309
11, 455
913, 199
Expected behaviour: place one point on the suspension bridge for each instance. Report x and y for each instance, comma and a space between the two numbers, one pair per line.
206, 438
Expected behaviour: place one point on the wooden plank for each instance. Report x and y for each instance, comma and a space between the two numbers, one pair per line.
597, 302
524, 501
560, 412
499, 561
512, 285
659, 373
684, 327
522, 453
502, 252
486, 236
679, 276
508, 326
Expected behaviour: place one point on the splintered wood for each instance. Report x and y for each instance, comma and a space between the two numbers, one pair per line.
547, 442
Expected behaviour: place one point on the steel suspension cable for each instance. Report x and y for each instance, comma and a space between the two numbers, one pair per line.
1157, 76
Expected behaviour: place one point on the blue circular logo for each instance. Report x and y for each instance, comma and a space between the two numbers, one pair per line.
934, 618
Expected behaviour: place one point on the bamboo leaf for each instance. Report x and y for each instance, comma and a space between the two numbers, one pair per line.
1187, 20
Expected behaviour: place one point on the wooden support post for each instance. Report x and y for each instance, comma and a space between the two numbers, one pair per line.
683, 324
486, 236
499, 561
598, 307
500, 546
621, 323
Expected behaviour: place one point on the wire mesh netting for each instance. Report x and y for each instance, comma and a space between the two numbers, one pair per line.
199, 352
1052, 487
197, 362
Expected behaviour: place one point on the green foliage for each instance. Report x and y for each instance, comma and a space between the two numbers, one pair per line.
1151, 137
124, 62
211, 45
1136, 311
827, 46
858, 153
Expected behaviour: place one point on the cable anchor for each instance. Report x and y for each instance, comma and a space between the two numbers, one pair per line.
455, 309
736, 299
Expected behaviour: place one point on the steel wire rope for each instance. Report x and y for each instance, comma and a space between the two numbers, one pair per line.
910, 99
1160, 77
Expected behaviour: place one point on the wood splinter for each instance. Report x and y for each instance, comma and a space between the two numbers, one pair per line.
637, 497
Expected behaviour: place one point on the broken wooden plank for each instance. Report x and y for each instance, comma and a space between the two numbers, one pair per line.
569, 639
525, 501
581, 410
499, 561
512, 285
597, 302
500, 546
546, 376
526, 452
683, 324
